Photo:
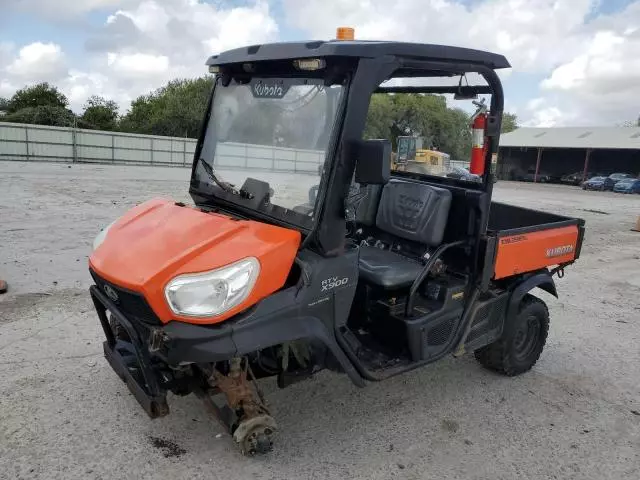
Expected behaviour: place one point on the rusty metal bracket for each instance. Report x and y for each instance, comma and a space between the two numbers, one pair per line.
245, 414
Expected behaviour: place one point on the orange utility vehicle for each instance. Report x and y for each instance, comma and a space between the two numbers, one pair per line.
379, 273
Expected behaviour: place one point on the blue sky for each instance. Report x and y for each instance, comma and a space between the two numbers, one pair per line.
570, 57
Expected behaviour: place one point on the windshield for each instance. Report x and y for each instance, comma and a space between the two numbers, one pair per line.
270, 135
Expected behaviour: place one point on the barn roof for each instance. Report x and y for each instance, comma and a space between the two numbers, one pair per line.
574, 137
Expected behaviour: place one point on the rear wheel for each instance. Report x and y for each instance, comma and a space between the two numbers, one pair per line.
522, 340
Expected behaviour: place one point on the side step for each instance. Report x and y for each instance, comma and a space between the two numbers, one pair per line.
427, 342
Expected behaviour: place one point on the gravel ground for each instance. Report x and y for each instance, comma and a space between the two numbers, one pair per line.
64, 414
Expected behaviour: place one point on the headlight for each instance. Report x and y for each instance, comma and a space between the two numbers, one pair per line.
212, 293
102, 235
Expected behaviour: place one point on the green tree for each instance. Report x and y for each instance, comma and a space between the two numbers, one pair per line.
176, 109
428, 116
38, 95
43, 115
4, 104
509, 122
100, 114
380, 118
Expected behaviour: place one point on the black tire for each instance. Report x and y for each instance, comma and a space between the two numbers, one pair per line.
522, 341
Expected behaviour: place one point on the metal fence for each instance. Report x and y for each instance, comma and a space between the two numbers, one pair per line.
56, 144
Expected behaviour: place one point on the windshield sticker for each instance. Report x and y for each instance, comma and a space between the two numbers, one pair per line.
263, 89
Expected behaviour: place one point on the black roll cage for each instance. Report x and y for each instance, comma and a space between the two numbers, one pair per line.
330, 230
365, 75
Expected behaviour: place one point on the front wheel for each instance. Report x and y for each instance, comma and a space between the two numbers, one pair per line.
522, 340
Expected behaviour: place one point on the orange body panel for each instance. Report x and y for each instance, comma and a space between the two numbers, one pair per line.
531, 251
158, 240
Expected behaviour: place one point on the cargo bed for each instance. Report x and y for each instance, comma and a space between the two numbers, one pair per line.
529, 240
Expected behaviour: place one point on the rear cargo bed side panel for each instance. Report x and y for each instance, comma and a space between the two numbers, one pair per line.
527, 252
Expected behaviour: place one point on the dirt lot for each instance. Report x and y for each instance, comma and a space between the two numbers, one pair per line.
64, 413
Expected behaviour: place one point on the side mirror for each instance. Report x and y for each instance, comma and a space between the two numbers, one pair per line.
373, 161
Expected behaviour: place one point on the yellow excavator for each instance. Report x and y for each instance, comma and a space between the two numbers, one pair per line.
412, 157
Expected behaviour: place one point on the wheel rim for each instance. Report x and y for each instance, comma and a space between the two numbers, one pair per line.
526, 338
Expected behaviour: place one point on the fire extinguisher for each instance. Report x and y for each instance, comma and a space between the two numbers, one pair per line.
478, 135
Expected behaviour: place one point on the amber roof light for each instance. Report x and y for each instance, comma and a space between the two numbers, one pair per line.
345, 33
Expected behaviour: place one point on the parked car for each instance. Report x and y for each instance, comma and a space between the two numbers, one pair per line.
530, 175
577, 177
460, 173
572, 178
595, 183
628, 185
614, 178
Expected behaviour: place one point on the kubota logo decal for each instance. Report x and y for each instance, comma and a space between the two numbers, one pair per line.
269, 90
559, 251
111, 293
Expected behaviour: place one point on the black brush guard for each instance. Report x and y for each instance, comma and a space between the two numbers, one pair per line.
130, 359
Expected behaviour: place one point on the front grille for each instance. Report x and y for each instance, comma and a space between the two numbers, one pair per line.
132, 304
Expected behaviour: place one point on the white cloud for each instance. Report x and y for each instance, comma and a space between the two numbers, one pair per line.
35, 62
59, 8
141, 46
589, 63
137, 64
38, 61
541, 114
528, 32
602, 82
155, 41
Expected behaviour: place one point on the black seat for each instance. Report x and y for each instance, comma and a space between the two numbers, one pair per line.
387, 269
410, 211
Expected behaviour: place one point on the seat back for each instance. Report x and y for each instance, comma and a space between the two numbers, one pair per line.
368, 207
414, 211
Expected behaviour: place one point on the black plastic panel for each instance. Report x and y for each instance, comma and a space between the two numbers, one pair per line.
290, 50
132, 304
507, 218
487, 321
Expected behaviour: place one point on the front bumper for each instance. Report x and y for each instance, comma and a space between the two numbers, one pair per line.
148, 373
130, 360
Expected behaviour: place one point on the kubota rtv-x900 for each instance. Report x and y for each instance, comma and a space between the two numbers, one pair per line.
303, 251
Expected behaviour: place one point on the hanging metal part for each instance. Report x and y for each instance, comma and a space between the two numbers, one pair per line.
253, 427
481, 109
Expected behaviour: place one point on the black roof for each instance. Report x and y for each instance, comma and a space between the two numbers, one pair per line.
358, 48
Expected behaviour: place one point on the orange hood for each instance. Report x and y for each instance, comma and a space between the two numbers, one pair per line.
158, 240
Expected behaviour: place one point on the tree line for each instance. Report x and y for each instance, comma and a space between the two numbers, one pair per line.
177, 109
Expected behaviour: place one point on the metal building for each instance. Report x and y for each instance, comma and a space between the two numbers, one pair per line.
551, 153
